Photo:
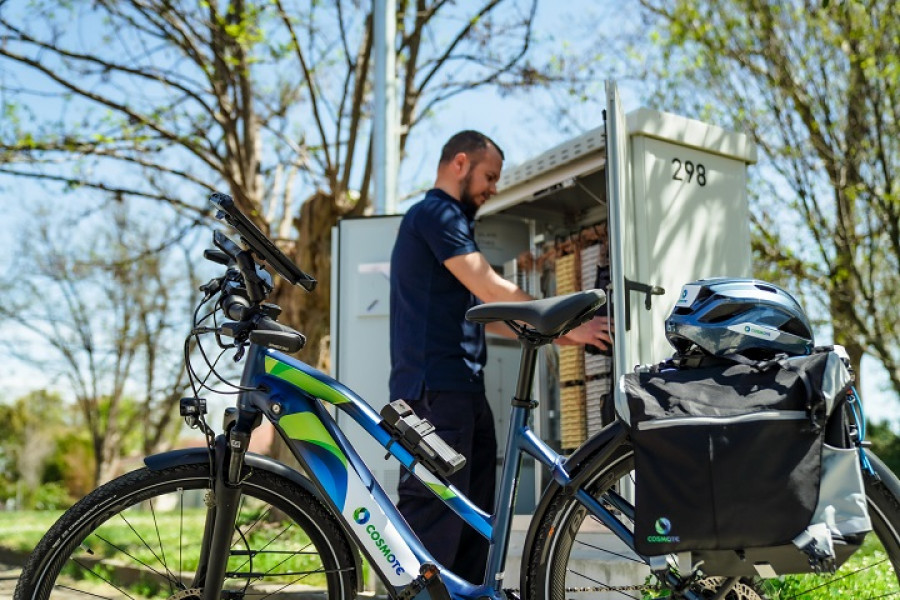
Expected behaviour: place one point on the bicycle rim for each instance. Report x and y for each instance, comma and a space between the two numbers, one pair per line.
585, 561
140, 537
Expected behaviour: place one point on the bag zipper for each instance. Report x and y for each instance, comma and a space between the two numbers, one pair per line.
766, 415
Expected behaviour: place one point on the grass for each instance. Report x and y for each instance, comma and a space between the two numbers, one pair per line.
144, 548
21, 530
876, 580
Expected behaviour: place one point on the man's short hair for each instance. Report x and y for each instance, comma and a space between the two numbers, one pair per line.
468, 142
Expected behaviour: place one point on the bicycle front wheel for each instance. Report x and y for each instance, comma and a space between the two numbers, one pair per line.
574, 559
139, 536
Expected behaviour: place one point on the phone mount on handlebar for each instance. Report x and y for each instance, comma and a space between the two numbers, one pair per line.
259, 244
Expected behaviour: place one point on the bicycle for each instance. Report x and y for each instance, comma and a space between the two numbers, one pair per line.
253, 527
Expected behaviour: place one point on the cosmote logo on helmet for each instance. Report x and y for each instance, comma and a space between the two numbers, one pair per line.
663, 527
361, 515
759, 331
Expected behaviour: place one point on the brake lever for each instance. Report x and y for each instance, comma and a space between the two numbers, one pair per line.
212, 287
217, 256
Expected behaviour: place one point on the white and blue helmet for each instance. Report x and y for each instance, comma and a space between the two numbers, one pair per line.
738, 316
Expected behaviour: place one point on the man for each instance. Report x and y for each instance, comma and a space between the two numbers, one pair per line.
437, 357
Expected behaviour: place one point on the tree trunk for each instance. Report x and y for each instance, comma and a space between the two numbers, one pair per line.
310, 313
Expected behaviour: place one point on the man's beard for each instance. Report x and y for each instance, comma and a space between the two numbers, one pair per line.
464, 196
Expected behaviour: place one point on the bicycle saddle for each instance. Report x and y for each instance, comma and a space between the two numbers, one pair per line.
549, 317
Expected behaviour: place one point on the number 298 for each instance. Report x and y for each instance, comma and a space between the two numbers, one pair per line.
688, 171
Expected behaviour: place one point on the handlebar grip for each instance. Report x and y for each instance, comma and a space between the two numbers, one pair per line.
269, 324
272, 334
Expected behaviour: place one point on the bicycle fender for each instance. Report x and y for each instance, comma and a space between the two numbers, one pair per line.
190, 456
883, 472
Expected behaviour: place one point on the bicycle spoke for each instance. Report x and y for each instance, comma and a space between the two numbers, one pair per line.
269, 543
284, 587
259, 519
170, 576
305, 575
162, 550
102, 578
181, 531
608, 551
136, 559
82, 592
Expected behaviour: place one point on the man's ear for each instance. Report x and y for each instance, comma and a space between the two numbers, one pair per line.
461, 164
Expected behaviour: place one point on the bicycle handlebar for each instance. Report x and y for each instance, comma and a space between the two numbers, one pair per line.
244, 289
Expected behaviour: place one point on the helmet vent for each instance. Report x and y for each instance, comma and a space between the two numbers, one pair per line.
766, 288
796, 327
704, 293
724, 312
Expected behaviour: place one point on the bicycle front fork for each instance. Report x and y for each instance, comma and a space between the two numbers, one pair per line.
224, 501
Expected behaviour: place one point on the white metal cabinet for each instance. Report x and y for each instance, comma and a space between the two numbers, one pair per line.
687, 215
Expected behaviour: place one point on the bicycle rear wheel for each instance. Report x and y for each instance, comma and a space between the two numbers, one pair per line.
574, 560
139, 536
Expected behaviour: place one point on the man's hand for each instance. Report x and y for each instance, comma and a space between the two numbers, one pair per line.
596, 332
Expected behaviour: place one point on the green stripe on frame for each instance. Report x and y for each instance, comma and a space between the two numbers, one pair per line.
441, 490
304, 381
306, 427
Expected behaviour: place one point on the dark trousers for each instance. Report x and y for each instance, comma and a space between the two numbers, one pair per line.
464, 421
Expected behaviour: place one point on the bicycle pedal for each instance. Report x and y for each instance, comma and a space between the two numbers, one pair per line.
427, 585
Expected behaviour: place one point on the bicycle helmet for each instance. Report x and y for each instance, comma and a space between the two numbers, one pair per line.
738, 316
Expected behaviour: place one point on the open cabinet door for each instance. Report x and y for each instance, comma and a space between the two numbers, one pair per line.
616, 193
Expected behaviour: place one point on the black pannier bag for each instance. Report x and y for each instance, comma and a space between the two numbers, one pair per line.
746, 466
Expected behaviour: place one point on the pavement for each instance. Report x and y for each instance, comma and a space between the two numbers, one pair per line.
9, 575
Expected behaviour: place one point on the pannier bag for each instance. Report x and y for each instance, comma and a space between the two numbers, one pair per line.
746, 466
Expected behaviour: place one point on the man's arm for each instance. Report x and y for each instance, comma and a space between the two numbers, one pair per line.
474, 272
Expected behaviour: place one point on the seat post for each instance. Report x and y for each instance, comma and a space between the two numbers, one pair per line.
522, 404
525, 382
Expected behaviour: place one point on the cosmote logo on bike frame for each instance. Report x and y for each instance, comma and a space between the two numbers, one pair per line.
361, 516
663, 526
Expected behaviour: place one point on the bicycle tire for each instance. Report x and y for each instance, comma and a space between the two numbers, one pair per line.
119, 541
563, 528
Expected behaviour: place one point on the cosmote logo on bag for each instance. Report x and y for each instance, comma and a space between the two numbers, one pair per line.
663, 527
361, 516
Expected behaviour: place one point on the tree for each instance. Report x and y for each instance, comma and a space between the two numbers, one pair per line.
27, 441
817, 87
106, 316
266, 99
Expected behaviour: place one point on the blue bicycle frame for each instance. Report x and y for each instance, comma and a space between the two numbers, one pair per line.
290, 394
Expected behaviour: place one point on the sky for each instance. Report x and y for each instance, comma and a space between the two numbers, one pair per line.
522, 126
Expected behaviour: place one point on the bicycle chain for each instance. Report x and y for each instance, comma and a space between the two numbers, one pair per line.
612, 588
598, 589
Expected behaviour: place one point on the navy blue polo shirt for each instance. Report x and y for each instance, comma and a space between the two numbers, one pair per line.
433, 347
